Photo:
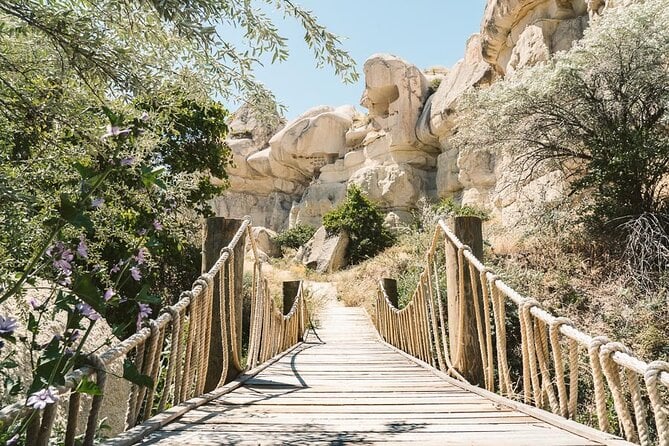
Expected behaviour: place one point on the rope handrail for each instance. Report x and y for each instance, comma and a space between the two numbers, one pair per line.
179, 340
545, 372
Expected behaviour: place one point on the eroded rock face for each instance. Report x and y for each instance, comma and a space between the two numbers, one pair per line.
438, 119
305, 145
402, 150
395, 92
516, 33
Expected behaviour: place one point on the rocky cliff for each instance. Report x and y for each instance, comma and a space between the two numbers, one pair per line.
400, 151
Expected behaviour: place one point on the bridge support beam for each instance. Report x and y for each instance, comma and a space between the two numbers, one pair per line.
464, 346
218, 233
290, 290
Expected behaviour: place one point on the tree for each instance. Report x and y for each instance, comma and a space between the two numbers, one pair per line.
109, 138
363, 222
599, 112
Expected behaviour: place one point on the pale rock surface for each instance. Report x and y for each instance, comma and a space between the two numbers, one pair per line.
264, 240
271, 210
448, 173
393, 186
316, 138
325, 254
395, 92
318, 199
438, 119
506, 43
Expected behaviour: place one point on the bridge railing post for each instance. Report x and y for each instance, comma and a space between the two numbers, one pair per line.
464, 346
218, 233
290, 290
390, 286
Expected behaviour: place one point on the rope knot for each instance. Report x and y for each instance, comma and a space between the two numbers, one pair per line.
654, 369
597, 342
608, 349
558, 322
229, 250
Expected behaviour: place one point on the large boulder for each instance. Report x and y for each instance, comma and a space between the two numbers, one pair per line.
316, 138
324, 253
271, 210
395, 187
395, 92
264, 241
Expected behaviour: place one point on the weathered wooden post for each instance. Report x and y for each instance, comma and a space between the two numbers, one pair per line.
464, 346
218, 233
390, 285
290, 289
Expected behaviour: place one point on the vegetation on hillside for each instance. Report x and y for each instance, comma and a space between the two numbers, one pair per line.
363, 221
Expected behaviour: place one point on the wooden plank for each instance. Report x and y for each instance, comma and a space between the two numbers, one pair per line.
348, 387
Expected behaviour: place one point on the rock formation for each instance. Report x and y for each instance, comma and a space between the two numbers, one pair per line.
400, 150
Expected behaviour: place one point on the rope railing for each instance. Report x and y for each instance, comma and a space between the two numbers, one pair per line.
544, 367
173, 350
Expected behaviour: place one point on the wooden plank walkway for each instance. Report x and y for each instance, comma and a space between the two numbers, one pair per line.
344, 386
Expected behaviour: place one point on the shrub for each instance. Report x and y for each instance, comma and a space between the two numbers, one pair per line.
363, 222
295, 237
450, 207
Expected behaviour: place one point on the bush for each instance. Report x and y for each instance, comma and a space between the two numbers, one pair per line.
295, 237
363, 222
450, 207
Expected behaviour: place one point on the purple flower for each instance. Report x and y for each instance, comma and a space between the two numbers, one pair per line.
8, 326
127, 161
87, 311
97, 202
135, 273
141, 255
34, 303
62, 258
82, 248
144, 117
116, 268
144, 312
109, 293
158, 226
113, 131
13, 441
141, 232
40, 399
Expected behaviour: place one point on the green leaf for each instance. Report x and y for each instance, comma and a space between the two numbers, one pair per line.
147, 298
85, 288
89, 387
133, 375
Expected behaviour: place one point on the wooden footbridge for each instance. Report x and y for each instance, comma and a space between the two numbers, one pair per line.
468, 361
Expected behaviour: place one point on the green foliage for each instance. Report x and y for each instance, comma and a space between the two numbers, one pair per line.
450, 207
295, 237
598, 113
363, 222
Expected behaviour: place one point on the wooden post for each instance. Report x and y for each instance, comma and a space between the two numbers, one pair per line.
218, 233
464, 346
390, 285
290, 289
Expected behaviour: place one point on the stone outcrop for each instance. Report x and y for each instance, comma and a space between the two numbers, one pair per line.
402, 149
471, 72
264, 241
324, 253
518, 33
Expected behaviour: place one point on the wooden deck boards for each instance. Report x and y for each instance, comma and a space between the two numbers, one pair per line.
344, 386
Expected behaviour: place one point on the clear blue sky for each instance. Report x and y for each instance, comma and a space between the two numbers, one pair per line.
423, 32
